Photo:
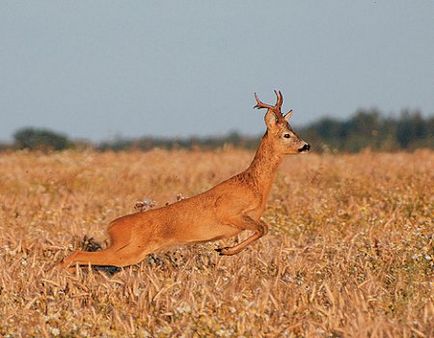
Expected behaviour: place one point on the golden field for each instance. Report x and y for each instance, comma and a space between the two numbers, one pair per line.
349, 253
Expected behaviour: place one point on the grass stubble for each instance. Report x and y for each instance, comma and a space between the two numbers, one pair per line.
349, 254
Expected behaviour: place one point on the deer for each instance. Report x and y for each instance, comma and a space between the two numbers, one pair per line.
222, 212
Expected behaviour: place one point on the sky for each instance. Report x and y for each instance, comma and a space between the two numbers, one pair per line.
97, 70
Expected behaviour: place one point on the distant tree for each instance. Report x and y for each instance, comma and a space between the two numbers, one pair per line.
411, 127
40, 139
362, 131
328, 128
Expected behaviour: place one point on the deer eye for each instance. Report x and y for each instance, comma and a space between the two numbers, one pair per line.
286, 135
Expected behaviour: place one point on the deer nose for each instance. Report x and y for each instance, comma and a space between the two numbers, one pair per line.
306, 147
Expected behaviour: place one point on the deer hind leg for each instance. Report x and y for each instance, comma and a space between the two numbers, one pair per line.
128, 246
112, 256
245, 223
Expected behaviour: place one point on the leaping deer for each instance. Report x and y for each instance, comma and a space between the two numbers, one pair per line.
221, 212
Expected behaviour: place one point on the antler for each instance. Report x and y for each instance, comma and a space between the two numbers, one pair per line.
276, 108
259, 104
279, 101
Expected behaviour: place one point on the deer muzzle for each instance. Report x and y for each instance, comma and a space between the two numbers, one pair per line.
304, 148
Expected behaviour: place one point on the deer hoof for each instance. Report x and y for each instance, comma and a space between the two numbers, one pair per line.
222, 251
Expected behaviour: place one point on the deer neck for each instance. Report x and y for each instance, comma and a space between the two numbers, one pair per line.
264, 166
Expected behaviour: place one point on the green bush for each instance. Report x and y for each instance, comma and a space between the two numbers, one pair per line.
40, 139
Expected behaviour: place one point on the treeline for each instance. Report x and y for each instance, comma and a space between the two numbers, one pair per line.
365, 129
369, 129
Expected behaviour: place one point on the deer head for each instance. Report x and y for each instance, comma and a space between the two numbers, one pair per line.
284, 139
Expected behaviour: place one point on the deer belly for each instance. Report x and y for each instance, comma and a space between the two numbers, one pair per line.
207, 233
216, 232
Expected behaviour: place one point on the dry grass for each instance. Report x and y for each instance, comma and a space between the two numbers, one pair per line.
350, 253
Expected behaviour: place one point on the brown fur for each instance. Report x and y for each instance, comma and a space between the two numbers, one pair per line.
221, 212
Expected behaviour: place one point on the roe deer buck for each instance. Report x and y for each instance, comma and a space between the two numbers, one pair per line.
221, 212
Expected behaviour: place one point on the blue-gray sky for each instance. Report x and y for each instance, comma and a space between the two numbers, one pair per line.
96, 69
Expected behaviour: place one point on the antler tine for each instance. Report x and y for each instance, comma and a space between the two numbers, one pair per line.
279, 101
259, 104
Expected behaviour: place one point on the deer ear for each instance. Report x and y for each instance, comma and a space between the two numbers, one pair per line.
270, 119
288, 115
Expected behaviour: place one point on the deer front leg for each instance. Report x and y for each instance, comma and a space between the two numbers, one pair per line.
245, 223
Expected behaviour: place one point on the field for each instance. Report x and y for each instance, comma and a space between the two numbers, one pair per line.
349, 254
